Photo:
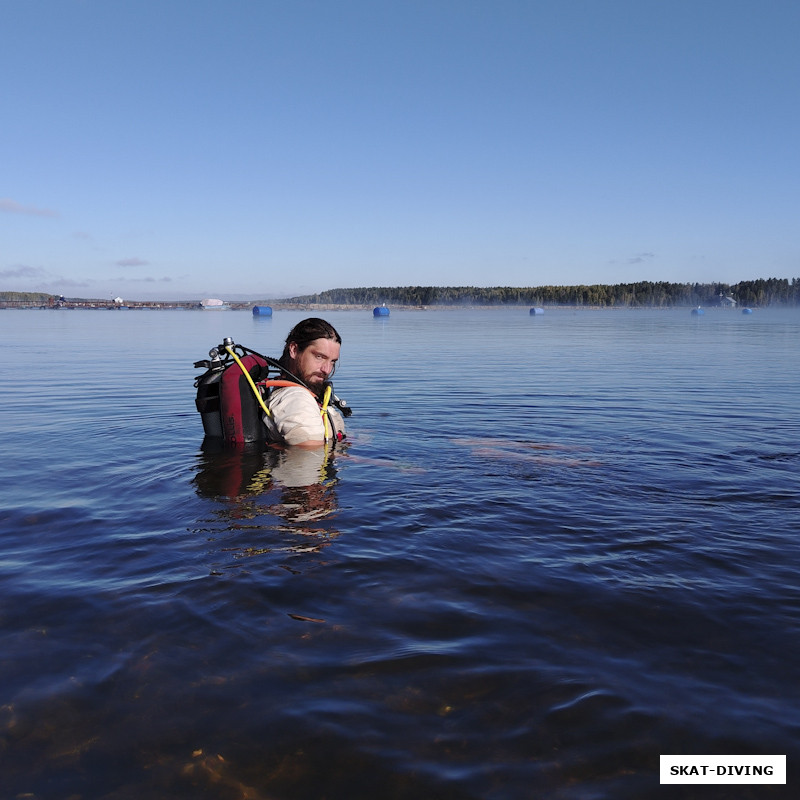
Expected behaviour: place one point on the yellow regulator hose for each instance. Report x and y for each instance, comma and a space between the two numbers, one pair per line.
324, 411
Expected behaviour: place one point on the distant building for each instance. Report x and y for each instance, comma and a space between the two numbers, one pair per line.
726, 301
212, 304
118, 301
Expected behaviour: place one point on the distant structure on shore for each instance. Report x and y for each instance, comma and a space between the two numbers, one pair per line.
213, 304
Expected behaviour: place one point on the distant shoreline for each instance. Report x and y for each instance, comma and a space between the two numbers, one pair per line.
314, 308
759, 293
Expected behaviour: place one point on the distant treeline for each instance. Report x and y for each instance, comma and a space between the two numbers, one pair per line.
38, 298
761, 292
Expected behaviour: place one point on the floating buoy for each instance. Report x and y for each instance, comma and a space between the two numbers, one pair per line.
536, 310
747, 311
697, 311
380, 311
262, 311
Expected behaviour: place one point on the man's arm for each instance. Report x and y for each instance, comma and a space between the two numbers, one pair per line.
295, 417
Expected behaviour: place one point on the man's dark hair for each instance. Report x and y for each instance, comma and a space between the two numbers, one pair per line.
306, 332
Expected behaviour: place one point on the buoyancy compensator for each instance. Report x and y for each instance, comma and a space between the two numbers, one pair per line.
227, 398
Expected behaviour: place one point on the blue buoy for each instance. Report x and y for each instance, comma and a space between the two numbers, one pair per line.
698, 311
535, 311
262, 311
380, 311
747, 311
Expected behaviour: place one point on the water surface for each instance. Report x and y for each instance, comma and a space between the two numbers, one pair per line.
554, 548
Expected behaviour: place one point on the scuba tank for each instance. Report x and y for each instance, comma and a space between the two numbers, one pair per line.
230, 393
207, 400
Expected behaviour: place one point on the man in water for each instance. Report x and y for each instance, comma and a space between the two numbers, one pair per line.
307, 415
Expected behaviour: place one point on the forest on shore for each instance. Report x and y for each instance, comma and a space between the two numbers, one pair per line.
756, 293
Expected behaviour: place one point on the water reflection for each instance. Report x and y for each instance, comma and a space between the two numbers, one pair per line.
251, 469
290, 492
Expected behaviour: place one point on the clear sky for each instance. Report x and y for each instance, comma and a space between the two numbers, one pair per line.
223, 148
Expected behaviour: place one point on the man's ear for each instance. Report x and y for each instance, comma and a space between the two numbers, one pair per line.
292, 350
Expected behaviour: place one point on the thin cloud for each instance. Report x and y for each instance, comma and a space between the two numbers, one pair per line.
145, 280
10, 206
132, 262
68, 283
23, 272
640, 258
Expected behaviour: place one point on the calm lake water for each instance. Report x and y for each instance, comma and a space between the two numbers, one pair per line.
554, 548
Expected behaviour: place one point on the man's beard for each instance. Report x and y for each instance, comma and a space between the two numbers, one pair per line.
316, 384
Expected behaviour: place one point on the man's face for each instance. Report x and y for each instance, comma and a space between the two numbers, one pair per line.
314, 364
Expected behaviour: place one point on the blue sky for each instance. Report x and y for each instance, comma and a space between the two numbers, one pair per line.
194, 148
